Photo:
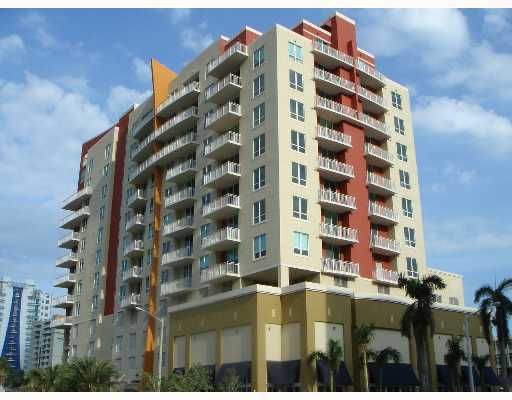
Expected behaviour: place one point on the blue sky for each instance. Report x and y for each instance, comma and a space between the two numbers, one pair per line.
66, 74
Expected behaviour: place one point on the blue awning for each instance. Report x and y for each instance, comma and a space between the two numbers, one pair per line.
393, 375
242, 369
465, 376
283, 372
443, 375
490, 377
342, 377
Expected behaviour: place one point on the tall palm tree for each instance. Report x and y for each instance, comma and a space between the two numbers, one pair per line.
496, 300
332, 358
90, 375
480, 362
453, 357
418, 318
381, 358
363, 336
4, 370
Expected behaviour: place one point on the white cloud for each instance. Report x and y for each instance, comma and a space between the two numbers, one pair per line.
142, 70
458, 174
11, 47
178, 15
196, 39
467, 122
121, 97
497, 21
38, 24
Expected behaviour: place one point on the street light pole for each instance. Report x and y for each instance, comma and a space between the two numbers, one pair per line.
469, 352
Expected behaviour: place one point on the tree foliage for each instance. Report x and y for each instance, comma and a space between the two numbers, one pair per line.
332, 357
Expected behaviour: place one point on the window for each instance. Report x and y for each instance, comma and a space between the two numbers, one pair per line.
94, 303
412, 267
258, 212
295, 52
96, 280
132, 341
396, 100
258, 56
298, 141
81, 265
454, 301
166, 247
104, 192
100, 236
258, 178
401, 151
404, 179
296, 110
149, 257
300, 208
260, 246
77, 309
258, 115
105, 169
108, 151
164, 276
150, 231
258, 85
340, 281
300, 243
98, 257
206, 199
407, 207
383, 289
258, 145
148, 285
204, 262
409, 235
399, 125
119, 344
296, 81
299, 174
102, 213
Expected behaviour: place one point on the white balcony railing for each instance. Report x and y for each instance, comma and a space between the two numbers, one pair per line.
371, 96
224, 201
372, 122
132, 273
220, 271
237, 47
378, 152
61, 320
334, 79
177, 254
385, 243
183, 194
178, 94
175, 286
180, 168
333, 135
63, 300
226, 168
83, 193
233, 137
339, 232
142, 122
137, 219
136, 195
332, 52
179, 224
70, 237
369, 70
71, 257
330, 196
136, 245
228, 233
82, 212
216, 87
379, 180
63, 279
219, 112
335, 166
385, 275
336, 107
334, 266
132, 300
377, 209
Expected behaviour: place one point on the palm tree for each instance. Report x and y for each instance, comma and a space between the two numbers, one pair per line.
90, 375
418, 318
381, 358
4, 370
332, 358
496, 300
363, 336
480, 362
453, 357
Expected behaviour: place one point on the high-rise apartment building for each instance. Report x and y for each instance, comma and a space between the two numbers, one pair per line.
47, 345
263, 201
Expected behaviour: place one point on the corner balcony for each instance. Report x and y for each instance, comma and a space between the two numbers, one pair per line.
69, 241
380, 185
178, 257
182, 227
372, 102
179, 99
133, 274
74, 219
338, 235
332, 266
369, 76
224, 117
332, 84
226, 175
67, 261
65, 281
223, 90
182, 172
74, 202
130, 301
336, 202
65, 301
61, 322
377, 156
384, 246
334, 170
134, 249
386, 276
381, 215
135, 223
223, 147
222, 207
330, 57
137, 199
176, 287
222, 239
183, 198
143, 126
228, 61
373, 128
332, 140
220, 273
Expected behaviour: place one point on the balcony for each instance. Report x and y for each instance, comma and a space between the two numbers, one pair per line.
178, 286
137, 199
183, 198
65, 281
135, 223
332, 140
331, 58
377, 156
222, 239
332, 266
369, 76
337, 234
222, 207
130, 301
179, 99
384, 246
133, 274
226, 175
65, 301
143, 126
373, 128
382, 215
336, 202
220, 273
228, 61
182, 227
74, 219
61, 321
69, 241
333, 84
134, 249
223, 147
74, 202
67, 261
224, 117
224, 90
178, 257
182, 172
380, 185
372, 102
386, 276
334, 170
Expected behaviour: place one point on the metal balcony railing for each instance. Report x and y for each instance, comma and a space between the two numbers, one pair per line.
178, 224
336, 166
226, 168
385, 275
385, 243
237, 47
378, 152
233, 137
177, 254
221, 235
334, 266
378, 180
216, 87
133, 272
219, 271
219, 112
334, 79
175, 286
178, 94
179, 196
332, 52
341, 199
333, 135
339, 232
180, 168
377, 209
